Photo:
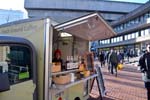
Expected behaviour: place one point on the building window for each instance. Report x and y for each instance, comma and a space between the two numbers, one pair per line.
103, 42
112, 40
108, 41
133, 35
136, 34
142, 33
121, 38
129, 36
147, 32
141, 18
126, 37
147, 15
118, 39
115, 40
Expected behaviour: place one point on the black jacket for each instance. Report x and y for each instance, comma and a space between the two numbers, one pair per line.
144, 62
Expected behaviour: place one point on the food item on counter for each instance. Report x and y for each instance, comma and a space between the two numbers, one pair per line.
82, 67
56, 67
86, 73
62, 79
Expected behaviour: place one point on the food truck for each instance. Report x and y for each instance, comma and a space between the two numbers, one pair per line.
27, 47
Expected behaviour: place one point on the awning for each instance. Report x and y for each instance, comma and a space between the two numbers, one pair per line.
90, 27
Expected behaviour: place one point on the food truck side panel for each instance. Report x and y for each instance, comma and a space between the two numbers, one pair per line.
34, 32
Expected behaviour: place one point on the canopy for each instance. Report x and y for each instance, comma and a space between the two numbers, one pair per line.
90, 27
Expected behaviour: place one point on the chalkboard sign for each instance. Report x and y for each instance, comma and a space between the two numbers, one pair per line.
95, 90
100, 80
98, 87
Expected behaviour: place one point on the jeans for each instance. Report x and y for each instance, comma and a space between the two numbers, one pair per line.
114, 66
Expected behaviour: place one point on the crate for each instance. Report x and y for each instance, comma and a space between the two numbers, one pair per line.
62, 79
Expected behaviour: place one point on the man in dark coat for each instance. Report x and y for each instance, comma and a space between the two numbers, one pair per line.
114, 61
144, 63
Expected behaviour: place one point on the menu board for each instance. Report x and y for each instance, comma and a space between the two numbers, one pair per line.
98, 88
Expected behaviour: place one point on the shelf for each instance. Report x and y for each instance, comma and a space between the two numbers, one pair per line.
65, 72
60, 88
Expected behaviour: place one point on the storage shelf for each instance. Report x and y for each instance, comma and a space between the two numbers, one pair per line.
60, 88
65, 72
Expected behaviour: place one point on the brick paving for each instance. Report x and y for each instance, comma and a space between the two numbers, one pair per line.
127, 86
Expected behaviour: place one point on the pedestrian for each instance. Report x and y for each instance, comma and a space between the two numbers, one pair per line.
144, 63
114, 61
119, 57
128, 55
108, 61
102, 58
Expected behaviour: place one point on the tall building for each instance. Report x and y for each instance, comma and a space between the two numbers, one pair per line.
129, 20
10, 15
133, 32
64, 10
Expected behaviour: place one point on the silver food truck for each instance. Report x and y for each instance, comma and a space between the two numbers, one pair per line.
27, 48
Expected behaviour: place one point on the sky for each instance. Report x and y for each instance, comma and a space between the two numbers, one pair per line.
12, 4
19, 4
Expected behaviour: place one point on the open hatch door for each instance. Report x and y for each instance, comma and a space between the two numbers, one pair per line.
90, 27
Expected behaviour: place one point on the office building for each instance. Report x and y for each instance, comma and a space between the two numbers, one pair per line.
64, 10
130, 21
133, 32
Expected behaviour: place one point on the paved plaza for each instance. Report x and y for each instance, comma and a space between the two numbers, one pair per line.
127, 86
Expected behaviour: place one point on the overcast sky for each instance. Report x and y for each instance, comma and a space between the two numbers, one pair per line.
19, 4
12, 4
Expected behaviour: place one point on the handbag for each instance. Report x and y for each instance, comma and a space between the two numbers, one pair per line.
119, 66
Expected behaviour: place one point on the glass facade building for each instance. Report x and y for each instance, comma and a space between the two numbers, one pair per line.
133, 32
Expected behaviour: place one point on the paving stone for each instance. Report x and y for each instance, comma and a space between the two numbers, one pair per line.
127, 86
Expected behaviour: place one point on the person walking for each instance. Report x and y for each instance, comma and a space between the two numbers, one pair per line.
144, 63
114, 62
119, 57
102, 59
108, 61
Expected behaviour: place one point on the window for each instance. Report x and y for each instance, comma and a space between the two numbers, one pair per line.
118, 39
142, 33
108, 41
126, 37
136, 34
121, 38
147, 32
100, 42
112, 40
129, 36
16, 61
115, 40
133, 35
